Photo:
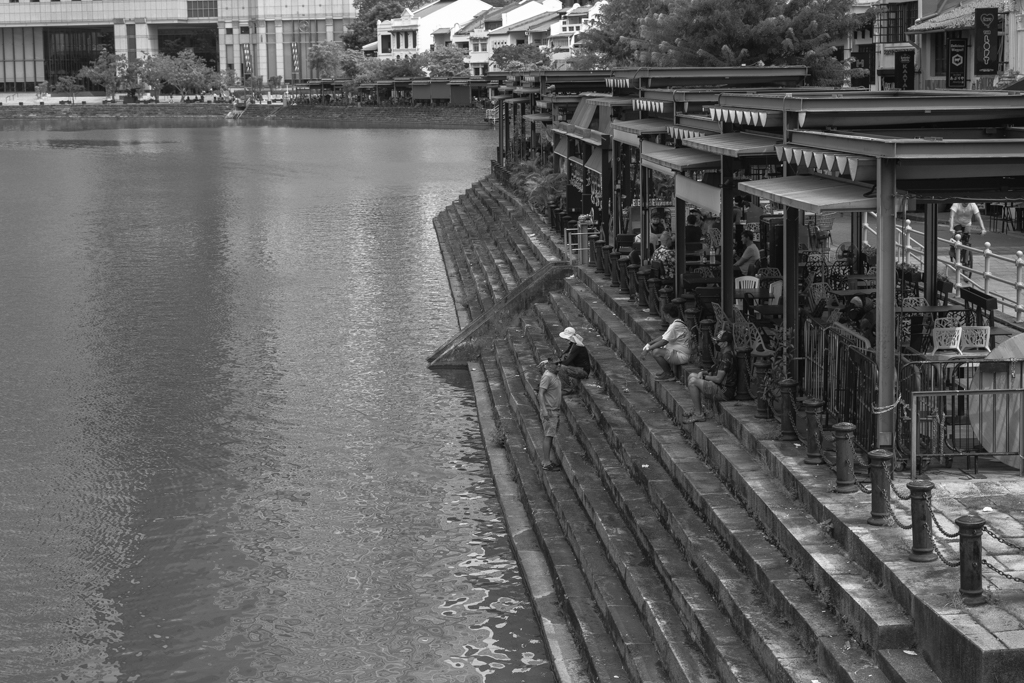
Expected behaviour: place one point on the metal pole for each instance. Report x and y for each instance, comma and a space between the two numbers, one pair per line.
846, 482
922, 549
813, 408
880, 461
788, 388
931, 249
971, 527
728, 194
885, 329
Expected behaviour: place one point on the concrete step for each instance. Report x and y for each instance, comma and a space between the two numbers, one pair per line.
464, 290
741, 525
605, 591
573, 595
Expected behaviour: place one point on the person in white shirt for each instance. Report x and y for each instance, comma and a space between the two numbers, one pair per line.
672, 349
962, 217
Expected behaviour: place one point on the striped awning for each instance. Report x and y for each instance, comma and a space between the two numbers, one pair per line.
618, 82
735, 144
594, 161
681, 133
656, 106
811, 193
670, 159
854, 167
747, 117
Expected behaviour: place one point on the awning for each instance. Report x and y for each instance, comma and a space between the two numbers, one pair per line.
562, 147
859, 168
668, 159
642, 126
735, 144
517, 100
656, 106
680, 133
538, 118
960, 17
811, 193
747, 117
618, 82
594, 161
584, 114
576, 160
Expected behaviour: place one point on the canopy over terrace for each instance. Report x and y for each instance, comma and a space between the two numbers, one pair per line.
665, 77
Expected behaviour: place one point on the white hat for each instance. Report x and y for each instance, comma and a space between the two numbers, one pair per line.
567, 333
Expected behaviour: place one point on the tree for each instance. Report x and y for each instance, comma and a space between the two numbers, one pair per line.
184, 72
736, 32
446, 62
332, 59
364, 29
104, 71
520, 58
70, 85
615, 38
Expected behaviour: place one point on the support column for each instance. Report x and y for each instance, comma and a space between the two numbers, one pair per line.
931, 248
120, 37
222, 47
791, 278
261, 52
280, 51
729, 166
616, 203
145, 40
679, 219
885, 329
645, 233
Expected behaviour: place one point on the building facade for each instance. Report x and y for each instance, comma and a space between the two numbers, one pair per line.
413, 32
41, 41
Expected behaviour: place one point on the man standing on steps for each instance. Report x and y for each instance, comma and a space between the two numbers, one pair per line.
549, 404
575, 362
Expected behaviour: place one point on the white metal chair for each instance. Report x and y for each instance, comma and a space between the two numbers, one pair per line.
775, 289
974, 340
745, 282
946, 341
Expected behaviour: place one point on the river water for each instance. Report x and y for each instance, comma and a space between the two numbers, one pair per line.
221, 455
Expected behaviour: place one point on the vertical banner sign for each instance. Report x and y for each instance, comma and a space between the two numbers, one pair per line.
295, 59
986, 42
246, 59
956, 63
905, 70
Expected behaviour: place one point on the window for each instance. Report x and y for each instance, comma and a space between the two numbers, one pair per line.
229, 30
892, 21
243, 30
202, 8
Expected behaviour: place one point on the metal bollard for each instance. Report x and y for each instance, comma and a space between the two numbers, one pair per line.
624, 273
742, 378
971, 527
813, 408
598, 254
845, 480
880, 460
707, 326
638, 284
761, 367
608, 258
923, 550
788, 418
592, 239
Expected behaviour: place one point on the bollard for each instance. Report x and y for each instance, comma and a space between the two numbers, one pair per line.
880, 460
813, 408
610, 269
623, 265
742, 373
690, 312
598, 254
923, 549
761, 368
845, 481
707, 326
971, 527
593, 238
639, 282
788, 418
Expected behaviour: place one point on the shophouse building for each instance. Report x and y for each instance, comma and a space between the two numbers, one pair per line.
414, 32
41, 41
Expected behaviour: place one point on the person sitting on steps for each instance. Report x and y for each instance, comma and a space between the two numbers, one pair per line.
717, 385
672, 349
575, 362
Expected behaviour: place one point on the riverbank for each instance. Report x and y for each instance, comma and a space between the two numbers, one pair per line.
363, 117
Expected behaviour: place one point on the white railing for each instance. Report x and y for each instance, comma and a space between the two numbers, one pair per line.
910, 250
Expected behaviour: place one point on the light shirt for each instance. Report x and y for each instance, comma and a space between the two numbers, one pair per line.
963, 214
550, 391
678, 337
750, 256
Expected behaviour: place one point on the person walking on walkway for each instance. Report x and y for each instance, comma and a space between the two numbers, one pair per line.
672, 349
717, 385
575, 362
549, 404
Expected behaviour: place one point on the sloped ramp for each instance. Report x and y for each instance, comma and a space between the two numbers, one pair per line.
465, 346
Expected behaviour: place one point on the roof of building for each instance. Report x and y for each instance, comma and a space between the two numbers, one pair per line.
542, 20
441, 31
957, 18
582, 10
371, 47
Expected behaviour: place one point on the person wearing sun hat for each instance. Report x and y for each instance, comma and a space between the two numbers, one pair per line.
575, 361
720, 383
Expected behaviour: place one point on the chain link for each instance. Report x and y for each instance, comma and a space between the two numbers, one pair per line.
892, 485
999, 571
1002, 540
938, 551
889, 508
935, 520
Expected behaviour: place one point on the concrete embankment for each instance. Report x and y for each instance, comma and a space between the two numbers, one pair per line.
361, 117
707, 552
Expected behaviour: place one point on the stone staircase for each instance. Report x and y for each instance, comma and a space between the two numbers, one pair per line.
678, 554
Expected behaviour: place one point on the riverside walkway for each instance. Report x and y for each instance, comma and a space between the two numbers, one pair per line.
712, 552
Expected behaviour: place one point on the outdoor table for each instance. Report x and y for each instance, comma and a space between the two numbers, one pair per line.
692, 281
768, 313
850, 293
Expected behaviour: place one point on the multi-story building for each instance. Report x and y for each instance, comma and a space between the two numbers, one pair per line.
40, 41
413, 32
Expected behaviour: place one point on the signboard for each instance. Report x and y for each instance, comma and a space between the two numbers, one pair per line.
956, 63
986, 42
246, 59
905, 70
864, 58
295, 59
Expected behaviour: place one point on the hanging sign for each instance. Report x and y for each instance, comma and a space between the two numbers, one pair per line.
986, 42
246, 59
295, 58
905, 70
956, 63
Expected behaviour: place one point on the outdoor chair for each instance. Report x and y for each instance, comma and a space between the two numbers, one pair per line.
722, 321
823, 229
775, 289
974, 340
946, 341
764, 274
745, 282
